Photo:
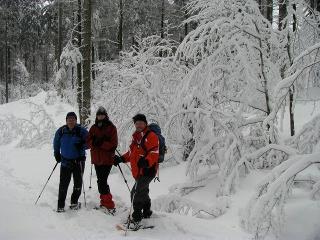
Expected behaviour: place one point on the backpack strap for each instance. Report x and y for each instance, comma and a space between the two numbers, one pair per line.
143, 141
62, 131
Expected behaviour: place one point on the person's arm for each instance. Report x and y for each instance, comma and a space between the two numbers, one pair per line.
89, 139
84, 137
126, 156
57, 142
112, 143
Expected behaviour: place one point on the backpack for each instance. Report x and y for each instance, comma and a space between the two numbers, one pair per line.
153, 127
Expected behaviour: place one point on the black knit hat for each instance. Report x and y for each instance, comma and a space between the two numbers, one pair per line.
71, 114
102, 111
140, 117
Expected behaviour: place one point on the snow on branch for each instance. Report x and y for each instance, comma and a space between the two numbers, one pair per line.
315, 193
266, 157
308, 137
183, 189
265, 210
173, 203
33, 132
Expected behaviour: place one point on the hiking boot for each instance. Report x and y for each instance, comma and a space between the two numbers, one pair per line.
111, 211
134, 225
137, 216
75, 206
147, 213
60, 210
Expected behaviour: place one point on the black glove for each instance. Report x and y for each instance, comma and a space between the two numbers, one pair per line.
97, 142
57, 156
117, 160
143, 163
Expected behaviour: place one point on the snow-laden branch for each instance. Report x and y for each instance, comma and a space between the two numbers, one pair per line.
308, 137
266, 157
265, 210
173, 203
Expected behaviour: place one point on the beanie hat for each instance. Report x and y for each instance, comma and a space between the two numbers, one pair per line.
140, 117
71, 114
102, 111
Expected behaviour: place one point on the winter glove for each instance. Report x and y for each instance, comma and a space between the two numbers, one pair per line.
97, 142
143, 163
117, 160
57, 156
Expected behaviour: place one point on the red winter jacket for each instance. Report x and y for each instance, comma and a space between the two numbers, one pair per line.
104, 154
151, 144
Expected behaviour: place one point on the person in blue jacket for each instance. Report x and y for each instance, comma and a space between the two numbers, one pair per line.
69, 148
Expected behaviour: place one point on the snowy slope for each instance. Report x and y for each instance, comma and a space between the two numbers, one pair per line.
23, 171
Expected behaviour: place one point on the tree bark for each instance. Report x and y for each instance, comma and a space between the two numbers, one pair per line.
59, 32
283, 4
162, 19
6, 61
86, 111
120, 28
291, 90
79, 65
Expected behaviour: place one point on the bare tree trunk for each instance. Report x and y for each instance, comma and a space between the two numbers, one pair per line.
93, 61
79, 65
86, 111
283, 4
6, 61
162, 19
266, 8
291, 90
59, 32
269, 10
186, 27
120, 28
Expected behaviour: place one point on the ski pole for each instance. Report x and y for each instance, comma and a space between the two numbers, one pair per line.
46, 183
118, 152
90, 176
132, 199
84, 192
125, 180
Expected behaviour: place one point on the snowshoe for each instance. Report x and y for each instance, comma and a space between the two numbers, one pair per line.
75, 206
60, 210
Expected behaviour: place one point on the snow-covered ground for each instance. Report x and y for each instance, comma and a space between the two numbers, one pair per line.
23, 171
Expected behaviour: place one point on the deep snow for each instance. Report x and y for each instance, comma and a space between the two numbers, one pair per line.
24, 171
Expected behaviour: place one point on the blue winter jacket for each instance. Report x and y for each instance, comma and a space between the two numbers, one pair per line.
70, 143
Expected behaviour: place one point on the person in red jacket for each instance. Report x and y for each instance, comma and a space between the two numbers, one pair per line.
143, 157
102, 141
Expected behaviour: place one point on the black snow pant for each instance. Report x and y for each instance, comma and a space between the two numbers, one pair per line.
76, 170
103, 172
140, 197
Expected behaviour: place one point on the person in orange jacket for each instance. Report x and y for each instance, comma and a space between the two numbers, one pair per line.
143, 157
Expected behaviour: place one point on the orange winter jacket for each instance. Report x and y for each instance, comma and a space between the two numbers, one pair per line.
150, 151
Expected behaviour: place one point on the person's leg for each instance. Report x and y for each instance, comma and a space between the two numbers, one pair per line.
103, 187
77, 173
103, 172
140, 196
65, 177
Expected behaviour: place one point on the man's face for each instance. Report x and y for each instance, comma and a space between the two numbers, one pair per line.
140, 126
71, 122
101, 117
